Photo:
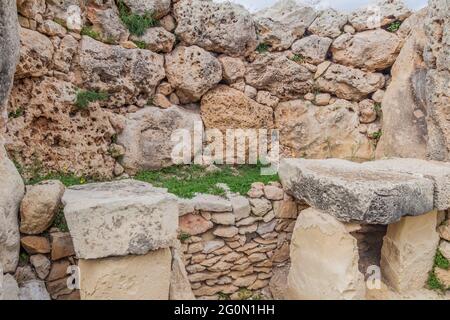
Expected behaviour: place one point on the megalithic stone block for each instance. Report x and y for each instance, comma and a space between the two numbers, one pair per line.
408, 252
352, 192
120, 218
324, 259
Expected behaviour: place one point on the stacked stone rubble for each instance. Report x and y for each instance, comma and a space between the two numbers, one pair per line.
285, 67
233, 246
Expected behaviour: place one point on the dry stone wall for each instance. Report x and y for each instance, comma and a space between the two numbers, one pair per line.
318, 76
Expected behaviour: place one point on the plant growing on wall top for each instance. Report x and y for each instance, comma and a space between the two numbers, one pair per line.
136, 24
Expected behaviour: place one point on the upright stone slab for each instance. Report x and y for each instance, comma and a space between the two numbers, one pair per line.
145, 277
324, 259
408, 252
120, 218
353, 192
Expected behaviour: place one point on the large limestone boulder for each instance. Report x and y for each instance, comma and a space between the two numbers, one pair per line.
349, 83
219, 27
352, 192
437, 90
106, 22
11, 193
52, 133
378, 15
281, 24
324, 259
39, 206
128, 75
329, 131
192, 71
36, 53
313, 48
147, 136
372, 50
329, 23
158, 8
226, 108
408, 252
276, 73
119, 218
438, 172
404, 109
133, 277
9, 290
9, 55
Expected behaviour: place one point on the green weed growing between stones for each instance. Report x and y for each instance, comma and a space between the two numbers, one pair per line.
136, 24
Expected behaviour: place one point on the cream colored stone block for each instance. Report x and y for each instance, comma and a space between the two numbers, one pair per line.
145, 277
324, 259
408, 251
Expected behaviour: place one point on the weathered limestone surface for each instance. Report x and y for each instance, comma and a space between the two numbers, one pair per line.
180, 287
11, 193
147, 136
9, 54
219, 27
324, 259
352, 192
142, 277
120, 218
408, 251
438, 172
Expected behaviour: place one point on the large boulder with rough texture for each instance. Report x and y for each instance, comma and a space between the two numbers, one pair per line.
281, 24
31, 8
329, 131
9, 290
404, 120
324, 260
156, 39
329, 23
438, 172
36, 53
106, 22
349, 83
408, 252
39, 206
371, 50
276, 73
119, 218
219, 27
133, 277
351, 192
9, 55
51, 132
147, 136
437, 90
226, 108
11, 194
379, 14
313, 49
127, 75
157, 8
192, 71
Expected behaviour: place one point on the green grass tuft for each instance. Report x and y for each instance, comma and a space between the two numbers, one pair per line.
434, 283
16, 113
394, 26
84, 97
66, 179
376, 135
140, 44
440, 261
298, 58
184, 236
262, 47
136, 24
60, 221
186, 181
88, 31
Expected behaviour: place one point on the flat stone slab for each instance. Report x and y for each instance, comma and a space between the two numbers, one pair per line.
352, 192
438, 172
120, 218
